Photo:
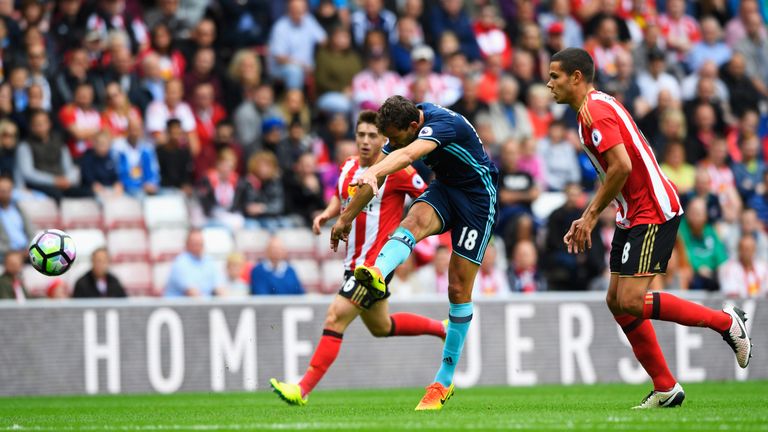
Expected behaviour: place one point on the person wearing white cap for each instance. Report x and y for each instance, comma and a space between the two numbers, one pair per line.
442, 89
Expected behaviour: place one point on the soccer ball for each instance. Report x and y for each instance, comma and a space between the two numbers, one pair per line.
52, 252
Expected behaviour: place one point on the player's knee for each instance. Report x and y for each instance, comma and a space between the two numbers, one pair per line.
613, 303
632, 305
379, 331
332, 321
457, 293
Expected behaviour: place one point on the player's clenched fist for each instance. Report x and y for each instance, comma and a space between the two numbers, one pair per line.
339, 231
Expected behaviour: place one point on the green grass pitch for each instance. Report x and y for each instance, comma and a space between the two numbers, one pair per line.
708, 407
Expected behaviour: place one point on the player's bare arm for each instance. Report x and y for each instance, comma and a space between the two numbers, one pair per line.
331, 211
579, 236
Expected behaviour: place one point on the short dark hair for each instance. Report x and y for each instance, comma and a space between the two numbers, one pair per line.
367, 116
576, 59
397, 112
172, 122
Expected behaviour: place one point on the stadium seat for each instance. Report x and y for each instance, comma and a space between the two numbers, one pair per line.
35, 282
546, 203
252, 243
87, 241
80, 213
166, 243
78, 269
309, 274
43, 213
165, 211
298, 242
218, 242
332, 275
123, 212
129, 244
323, 246
160, 273
136, 277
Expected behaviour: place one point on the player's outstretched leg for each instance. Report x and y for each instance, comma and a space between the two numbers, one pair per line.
394, 253
729, 322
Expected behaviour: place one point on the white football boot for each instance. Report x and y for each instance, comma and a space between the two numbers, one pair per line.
657, 399
736, 336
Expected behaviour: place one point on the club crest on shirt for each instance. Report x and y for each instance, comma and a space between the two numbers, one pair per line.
596, 137
425, 131
351, 191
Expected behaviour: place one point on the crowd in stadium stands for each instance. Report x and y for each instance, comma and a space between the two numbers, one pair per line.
246, 109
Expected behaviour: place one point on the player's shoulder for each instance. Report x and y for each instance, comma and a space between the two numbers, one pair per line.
349, 162
598, 106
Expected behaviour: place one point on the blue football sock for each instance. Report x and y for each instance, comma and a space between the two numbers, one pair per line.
395, 251
459, 318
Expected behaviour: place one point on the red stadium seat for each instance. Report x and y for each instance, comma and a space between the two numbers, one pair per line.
332, 276
252, 243
87, 241
218, 242
166, 243
128, 244
43, 213
136, 277
165, 211
80, 213
309, 274
299, 242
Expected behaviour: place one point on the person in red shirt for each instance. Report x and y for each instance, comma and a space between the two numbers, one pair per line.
370, 231
647, 219
81, 120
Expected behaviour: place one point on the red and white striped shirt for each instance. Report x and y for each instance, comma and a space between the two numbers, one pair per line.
71, 115
381, 216
648, 196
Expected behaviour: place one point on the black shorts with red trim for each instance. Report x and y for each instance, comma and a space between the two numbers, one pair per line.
643, 250
358, 294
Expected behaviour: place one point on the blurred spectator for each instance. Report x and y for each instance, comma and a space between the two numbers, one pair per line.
523, 272
224, 138
249, 115
208, 113
274, 275
337, 65
539, 99
605, 48
373, 16
680, 30
441, 88
175, 159
754, 46
203, 71
593, 12
405, 280
65, 82
748, 225
137, 166
743, 91
509, 116
744, 130
434, 278
665, 124
243, 76
121, 70
488, 85
265, 200
166, 12
222, 193
294, 108
524, 70
561, 162
559, 15
409, 36
744, 276
110, 15
451, 15
565, 271
656, 79
304, 190
194, 274
702, 134
202, 36
331, 13
98, 169
39, 70
172, 107
721, 178
80, 120
623, 86
247, 22
57, 289
99, 282
707, 70
529, 161
711, 47
171, 62
11, 284
705, 250
759, 200
335, 129
702, 189
234, 283
292, 45
44, 161
6, 101
674, 166
9, 139
517, 189
491, 279
68, 24
706, 93
16, 231
118, 111
469, 105
735, 29
748, 173
491, 39
555, 41
373, 85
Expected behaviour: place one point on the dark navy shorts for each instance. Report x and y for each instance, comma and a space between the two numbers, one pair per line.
469, 213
